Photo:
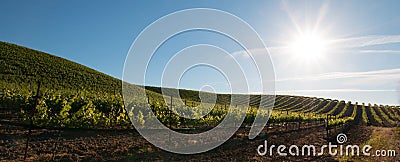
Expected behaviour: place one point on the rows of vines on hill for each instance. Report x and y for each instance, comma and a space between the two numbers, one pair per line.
25, 67
72, 95
386, 120
87, 109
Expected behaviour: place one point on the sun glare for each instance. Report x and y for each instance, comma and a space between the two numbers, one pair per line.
308, 46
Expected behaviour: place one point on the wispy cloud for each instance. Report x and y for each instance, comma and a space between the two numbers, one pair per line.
367, 40
350, 43
385, 74
272, 50
336, 90
380, 51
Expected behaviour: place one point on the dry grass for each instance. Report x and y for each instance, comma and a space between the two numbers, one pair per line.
381, 139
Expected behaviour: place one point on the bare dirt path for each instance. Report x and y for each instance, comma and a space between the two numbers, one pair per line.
117, 145
380, 138
75, 145
242, 149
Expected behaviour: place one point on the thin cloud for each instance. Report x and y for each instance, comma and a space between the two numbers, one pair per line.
257, 51
380, 51
387, 73
370, 40
271, 50
335, 90
337, 44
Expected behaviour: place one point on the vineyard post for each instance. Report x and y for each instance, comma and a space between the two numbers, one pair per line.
170, 115
55, 143
170, 121
299, 121
313, 116
319, 119
327, 125
30, 115
335, 124
287, 123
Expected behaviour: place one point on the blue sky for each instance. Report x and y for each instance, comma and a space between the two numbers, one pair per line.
359, 60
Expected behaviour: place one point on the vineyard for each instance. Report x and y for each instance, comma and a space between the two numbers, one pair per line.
40, 91
89, 110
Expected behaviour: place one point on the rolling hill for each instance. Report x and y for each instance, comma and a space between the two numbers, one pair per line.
86, 108
22, 68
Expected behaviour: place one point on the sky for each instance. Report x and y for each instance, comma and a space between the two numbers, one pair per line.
345, 50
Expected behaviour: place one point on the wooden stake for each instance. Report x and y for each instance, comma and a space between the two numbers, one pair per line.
31, 114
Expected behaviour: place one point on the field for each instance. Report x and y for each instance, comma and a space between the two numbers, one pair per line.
54, 109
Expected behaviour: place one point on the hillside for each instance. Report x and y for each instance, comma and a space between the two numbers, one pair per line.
22, 66
79, 106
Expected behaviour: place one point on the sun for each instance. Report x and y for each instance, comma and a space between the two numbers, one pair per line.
308, 46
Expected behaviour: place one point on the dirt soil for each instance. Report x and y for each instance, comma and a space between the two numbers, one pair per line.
112, 145
128, 145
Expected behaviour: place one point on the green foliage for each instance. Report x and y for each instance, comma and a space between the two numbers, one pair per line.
364, 114
287, 116
75, 110
384, 115
336, 107
72, 95
326, 107
339, 121
23, 67
374, 115
347, 106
